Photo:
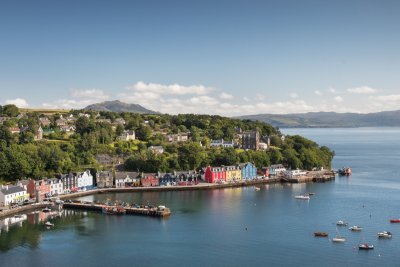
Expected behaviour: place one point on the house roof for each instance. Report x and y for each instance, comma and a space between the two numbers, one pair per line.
11, 189
123, 175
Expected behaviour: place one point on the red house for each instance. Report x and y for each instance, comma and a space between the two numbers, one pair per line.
215, 174
149, 179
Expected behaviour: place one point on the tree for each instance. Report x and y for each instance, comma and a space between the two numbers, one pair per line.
10, 110
119, 130
144, 133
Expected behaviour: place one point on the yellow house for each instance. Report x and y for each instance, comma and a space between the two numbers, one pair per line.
233, 173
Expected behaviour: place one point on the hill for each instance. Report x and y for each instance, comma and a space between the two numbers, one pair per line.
329, 119
118, 106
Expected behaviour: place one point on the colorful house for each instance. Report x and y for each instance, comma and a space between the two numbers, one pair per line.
249, 171
264, 171
186, 177
233, 173
43, 188
215, 174
126, 179
56, 186
167, 179
149, 179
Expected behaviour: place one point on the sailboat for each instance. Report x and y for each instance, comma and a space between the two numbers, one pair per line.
338, 238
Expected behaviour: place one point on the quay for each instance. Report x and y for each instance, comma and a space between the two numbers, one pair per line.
313, 176
160, 211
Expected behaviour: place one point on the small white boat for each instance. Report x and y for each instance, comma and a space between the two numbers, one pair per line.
304, 197
49, 224
257, 189
341, 223
385, 234
338, 239
355, 228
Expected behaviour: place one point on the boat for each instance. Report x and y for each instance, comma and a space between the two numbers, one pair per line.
257, 189
302, 197
385, 234
365, 246
338, 239
341, 223
355, 228
346, 171
320, 234
114, 210
395, 220
47, 209
311, 194
49, 224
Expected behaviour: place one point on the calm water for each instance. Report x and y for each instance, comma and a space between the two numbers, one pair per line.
237, 227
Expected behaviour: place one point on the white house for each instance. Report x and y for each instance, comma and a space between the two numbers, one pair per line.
294, 173
127, 135
12, 194
85, 180
56, 186
277, 169
126, 179
157, 149
221, 142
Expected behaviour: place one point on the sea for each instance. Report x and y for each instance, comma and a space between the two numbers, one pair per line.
235, 226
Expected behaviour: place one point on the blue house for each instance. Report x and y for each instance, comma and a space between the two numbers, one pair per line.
167, 178
249, 171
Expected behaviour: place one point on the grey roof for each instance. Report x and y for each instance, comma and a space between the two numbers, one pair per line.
11, 189
123, 175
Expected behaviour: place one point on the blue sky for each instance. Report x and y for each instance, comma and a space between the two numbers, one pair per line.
216, 57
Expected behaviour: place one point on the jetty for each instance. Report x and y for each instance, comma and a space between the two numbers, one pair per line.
312, 176
160, 211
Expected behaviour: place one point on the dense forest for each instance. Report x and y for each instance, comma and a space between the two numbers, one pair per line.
96, 133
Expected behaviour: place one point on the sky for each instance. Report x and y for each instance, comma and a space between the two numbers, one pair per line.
210, 57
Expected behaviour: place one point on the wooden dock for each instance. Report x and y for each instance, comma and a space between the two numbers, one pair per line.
147, 211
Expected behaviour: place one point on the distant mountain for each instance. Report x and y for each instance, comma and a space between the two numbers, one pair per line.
118, 106
329, 119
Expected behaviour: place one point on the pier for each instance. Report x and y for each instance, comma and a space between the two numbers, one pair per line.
313, 176
159, 211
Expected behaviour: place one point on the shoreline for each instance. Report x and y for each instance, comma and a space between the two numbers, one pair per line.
200, 186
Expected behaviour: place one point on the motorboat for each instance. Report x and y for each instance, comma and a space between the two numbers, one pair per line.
355, 228
320, 234
114, 210
365, 246
338, 239
304, 197
385, 234
341, 223
345, 171
395, 220
49, 224
257, 189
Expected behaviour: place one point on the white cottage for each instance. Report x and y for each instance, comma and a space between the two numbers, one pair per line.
85, 180
56, 186
12, 194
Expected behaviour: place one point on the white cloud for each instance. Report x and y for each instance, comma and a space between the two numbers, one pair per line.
386, 98
172, 89
293, 95
338, 99
318, 92
362, 90
19, 102
224, 95
246, 99
331, 90
89, 93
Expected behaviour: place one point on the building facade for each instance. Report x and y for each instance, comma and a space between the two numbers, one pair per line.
251, 140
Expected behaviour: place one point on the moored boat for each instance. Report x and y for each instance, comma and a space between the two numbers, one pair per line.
355, 228
345, 171
338, 239
385, 234
257, 189
47, 209
114, 210
49, 224
365, 246
341, 223
304, 197
320, 234
395, 220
